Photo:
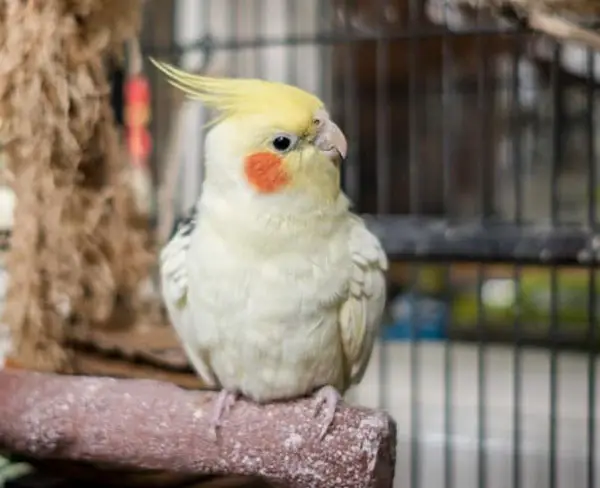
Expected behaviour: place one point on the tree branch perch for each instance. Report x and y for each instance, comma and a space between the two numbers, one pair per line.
148, 424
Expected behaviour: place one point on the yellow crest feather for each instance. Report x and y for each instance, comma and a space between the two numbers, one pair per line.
288, 106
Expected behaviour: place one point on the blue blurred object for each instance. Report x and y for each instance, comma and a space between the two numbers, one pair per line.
428, 317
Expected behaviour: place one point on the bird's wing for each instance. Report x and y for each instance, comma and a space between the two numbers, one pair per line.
361, 312
174, 284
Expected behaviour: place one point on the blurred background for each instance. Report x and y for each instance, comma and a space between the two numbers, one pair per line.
473, 156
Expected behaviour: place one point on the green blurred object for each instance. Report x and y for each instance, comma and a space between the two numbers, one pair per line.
12, 470
499, 302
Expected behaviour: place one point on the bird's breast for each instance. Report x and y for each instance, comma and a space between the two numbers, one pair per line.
275, 316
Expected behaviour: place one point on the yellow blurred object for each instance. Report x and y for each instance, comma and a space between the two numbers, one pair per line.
431, 279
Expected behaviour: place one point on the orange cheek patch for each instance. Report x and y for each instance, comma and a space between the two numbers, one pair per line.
264, 171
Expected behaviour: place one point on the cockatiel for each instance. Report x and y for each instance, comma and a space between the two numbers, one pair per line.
275, 288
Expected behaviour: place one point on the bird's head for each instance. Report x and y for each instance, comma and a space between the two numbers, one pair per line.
270, 139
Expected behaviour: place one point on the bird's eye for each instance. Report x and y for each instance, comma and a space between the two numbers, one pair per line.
283, 142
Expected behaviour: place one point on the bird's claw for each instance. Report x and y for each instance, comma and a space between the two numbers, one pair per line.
329, 397
223, 404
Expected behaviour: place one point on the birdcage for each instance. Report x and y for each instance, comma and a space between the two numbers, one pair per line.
473, 155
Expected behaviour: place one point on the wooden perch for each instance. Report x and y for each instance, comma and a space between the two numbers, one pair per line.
148, 424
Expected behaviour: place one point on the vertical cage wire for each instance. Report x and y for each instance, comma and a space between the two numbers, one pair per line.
258, 15
416, 460
414, 19
157, 123
351, 111
592, 287
517, 159
447, 199
482, 110
205, 14
187, 15
413, 109
557, 154
232, 33
324, 25
481, 382
382, 164
484, 97
292, 52
155, 126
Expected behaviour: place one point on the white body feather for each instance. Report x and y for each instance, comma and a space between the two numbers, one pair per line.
274, 303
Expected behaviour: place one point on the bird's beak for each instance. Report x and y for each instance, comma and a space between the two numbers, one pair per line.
331, 141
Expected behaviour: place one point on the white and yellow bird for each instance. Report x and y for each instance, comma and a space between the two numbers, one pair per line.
275, 288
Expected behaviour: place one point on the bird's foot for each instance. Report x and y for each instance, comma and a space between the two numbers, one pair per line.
223, 404
328, 397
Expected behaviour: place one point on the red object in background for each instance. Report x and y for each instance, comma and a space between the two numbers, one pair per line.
137, 90
137, 116
139, 143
